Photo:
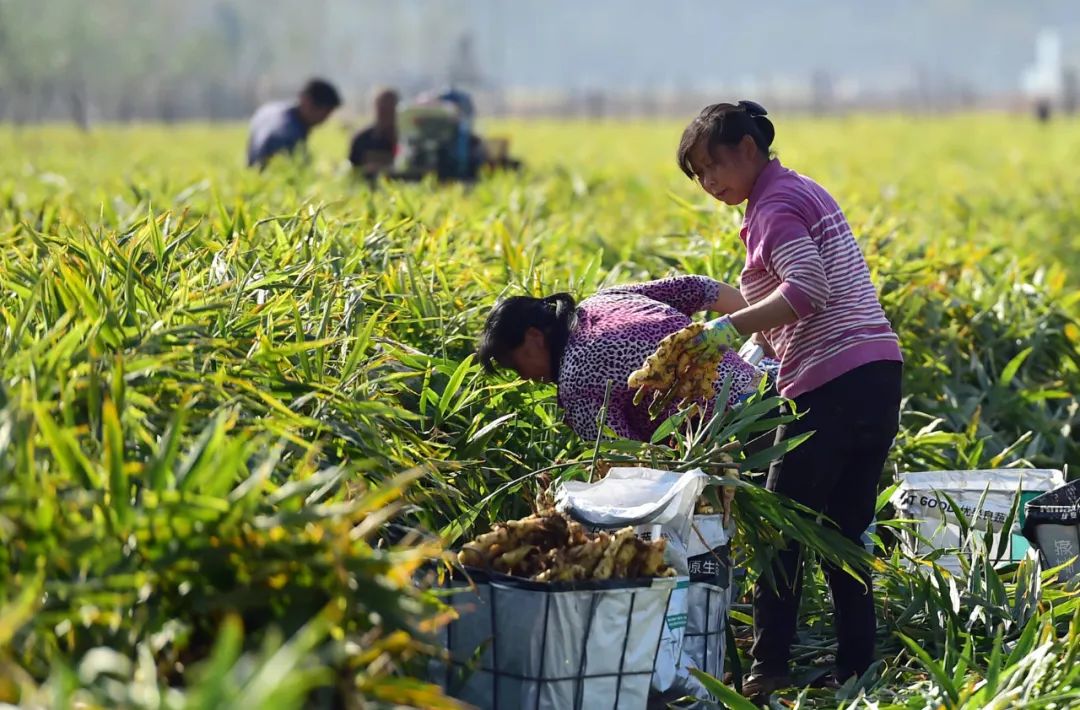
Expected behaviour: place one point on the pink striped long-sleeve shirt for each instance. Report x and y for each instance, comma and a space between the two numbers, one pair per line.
799, 242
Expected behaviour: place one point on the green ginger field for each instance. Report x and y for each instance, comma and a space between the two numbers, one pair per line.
219, 386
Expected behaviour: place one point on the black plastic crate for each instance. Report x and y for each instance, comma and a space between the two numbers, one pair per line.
1052, 525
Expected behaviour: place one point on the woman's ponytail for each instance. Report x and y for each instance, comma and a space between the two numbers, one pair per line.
565, 314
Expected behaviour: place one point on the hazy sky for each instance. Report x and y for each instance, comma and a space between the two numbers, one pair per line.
686, 43
121, 52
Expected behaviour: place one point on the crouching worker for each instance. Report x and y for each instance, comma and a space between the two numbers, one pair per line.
283, 127
582, 347
372, 149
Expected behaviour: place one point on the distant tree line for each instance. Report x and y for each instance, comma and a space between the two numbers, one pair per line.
85, 60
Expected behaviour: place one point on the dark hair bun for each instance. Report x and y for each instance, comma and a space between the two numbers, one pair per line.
563, 304
768, 132
758, 113
753, 108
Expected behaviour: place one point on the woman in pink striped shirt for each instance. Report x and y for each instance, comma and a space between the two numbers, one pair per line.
810, 299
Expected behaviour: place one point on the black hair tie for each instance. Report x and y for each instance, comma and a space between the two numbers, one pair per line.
753, 108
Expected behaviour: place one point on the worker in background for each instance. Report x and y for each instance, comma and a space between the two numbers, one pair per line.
470, 152
282, 126
467, 153
372, 149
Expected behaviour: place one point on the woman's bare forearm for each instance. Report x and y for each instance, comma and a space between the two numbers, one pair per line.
772, 311
729, 300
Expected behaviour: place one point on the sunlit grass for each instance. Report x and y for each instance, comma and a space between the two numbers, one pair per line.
211, 376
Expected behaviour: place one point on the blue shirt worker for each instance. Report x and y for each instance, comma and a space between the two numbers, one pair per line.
281, 126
